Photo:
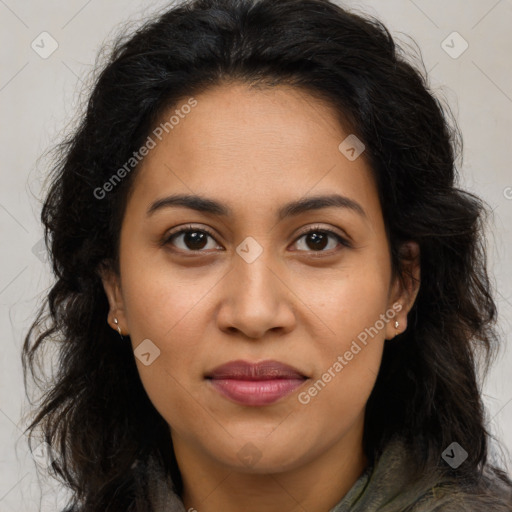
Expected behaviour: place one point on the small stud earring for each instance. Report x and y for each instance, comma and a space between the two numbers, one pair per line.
116, 321
396, 324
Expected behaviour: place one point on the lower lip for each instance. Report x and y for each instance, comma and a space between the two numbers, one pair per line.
256, 392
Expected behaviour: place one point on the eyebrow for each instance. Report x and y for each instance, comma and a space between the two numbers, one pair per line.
210, 206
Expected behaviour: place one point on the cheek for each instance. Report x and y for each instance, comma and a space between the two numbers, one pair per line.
353, 306
350, 300
161, 300
349, 356
166, 308
171, 320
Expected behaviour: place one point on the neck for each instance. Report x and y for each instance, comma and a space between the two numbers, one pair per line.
318, 483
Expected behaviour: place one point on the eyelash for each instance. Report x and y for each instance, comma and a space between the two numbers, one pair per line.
314, 229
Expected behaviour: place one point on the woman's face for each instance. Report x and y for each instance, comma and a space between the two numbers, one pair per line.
246, 282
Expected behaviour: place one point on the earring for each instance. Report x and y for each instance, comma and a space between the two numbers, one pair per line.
116, 321
396, 327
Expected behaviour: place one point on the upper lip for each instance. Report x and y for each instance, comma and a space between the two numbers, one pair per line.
263, 370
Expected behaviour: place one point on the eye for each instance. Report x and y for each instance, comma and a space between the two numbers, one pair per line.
190, 239
316, 239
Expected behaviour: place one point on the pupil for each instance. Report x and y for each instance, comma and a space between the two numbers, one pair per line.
319, 240
195, 240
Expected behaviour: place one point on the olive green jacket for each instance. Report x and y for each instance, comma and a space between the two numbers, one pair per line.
384, 487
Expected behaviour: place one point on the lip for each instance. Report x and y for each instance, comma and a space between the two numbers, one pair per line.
255, 384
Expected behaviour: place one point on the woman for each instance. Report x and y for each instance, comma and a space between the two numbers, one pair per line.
270, 293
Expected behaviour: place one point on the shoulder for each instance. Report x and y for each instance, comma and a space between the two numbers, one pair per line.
490, 493
396, 484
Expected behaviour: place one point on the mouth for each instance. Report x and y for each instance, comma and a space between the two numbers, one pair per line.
255, 384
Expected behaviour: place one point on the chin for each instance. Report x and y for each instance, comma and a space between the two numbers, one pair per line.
261, 455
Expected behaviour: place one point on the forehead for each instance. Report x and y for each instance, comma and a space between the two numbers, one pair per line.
251, 148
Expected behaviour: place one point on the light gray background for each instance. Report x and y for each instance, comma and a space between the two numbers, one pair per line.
38, 98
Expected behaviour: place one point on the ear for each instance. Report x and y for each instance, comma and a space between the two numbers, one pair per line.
112, 286
404, 288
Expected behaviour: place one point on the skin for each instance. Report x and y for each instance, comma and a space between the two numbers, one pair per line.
253, 151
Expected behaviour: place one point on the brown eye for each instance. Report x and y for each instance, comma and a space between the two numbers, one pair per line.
191, 239
317, 240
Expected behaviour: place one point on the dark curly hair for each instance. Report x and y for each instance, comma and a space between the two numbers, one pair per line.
93, 410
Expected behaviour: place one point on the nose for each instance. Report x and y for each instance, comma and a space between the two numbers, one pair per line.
255, 299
